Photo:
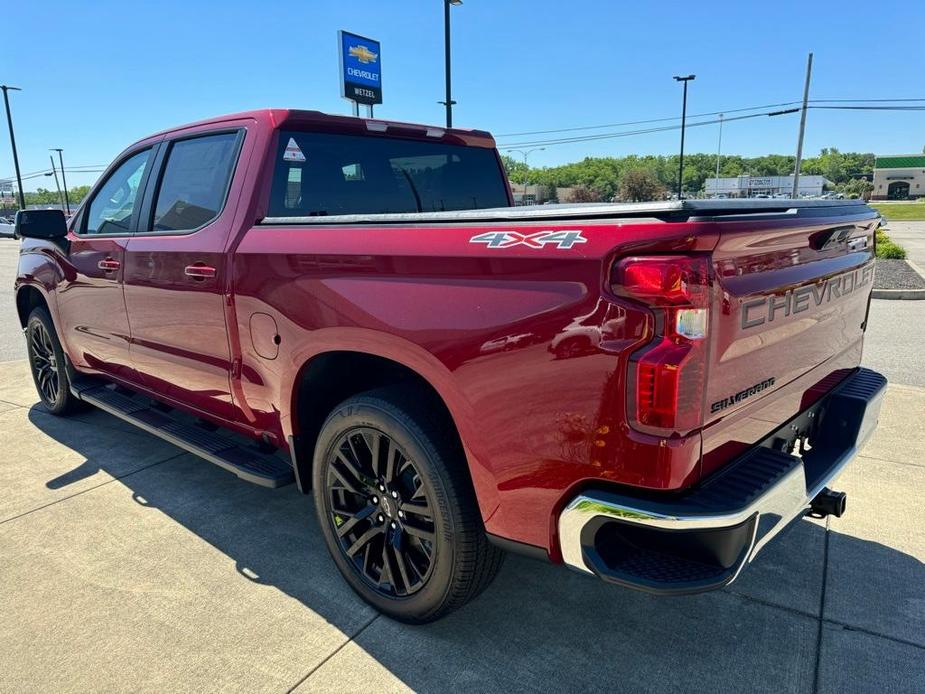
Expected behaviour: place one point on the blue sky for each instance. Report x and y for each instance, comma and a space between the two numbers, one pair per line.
97, 76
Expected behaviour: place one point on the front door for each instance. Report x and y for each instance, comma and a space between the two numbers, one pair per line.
91, 308
175, 274
898, 190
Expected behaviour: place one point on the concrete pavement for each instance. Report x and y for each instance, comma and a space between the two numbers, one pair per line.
12, 346
129, 565
911, 236
894, 343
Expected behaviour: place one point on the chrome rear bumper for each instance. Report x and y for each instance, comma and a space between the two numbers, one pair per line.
703, 541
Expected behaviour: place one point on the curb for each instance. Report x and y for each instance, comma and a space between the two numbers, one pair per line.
904, 294
907, 294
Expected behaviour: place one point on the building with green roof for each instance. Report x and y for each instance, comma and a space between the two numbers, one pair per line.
899, 177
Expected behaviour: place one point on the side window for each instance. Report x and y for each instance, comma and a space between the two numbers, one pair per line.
112, 206
195, 181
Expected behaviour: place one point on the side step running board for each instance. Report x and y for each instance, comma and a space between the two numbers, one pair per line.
242, 459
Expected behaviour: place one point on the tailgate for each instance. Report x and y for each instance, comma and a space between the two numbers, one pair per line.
793, 288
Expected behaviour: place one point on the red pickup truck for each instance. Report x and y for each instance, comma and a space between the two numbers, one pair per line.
645, 392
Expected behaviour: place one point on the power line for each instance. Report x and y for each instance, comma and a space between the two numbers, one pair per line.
646, 131
70, 169
643, 122
702, 115
858, 101
872, 108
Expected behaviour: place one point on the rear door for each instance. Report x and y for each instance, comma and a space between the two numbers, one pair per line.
175, 272
91, 309
794, 289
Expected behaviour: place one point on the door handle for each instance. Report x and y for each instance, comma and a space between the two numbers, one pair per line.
199, 271
109, 265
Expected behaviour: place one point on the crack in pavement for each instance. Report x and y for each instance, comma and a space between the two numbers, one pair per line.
337, 650
90, 489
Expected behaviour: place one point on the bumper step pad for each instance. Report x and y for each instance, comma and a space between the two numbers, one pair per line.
677, 544
223, 448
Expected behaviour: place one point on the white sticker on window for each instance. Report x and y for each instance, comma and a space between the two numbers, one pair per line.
293, 153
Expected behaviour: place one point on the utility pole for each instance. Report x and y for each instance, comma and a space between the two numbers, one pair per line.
685, 80
446, 42
67, 202
799, 162
719, 146
9, 121
54, 173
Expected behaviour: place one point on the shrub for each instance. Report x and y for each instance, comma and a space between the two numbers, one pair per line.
887, 249
891, 251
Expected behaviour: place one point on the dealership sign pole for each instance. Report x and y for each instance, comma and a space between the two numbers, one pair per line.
360, 70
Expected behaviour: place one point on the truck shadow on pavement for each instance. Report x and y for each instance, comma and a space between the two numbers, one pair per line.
538, 626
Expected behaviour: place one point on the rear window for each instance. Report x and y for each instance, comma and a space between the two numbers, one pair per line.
319, 174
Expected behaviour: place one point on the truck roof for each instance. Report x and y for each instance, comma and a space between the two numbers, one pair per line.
287, 117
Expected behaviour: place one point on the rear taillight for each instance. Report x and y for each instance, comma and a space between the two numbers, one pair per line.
668, 376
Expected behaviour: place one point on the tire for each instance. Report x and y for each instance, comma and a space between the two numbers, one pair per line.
406, 534
47, 364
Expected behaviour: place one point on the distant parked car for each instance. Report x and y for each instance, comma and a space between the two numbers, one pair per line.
6, 230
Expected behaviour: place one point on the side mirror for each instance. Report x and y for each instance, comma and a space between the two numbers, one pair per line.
40, 224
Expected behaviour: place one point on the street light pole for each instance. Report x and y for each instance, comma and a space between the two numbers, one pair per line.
683, 123
9, 121
446, 42
67, 202
54, 173
526, 154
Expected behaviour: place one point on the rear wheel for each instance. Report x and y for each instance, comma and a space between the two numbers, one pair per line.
397, 508
46, 361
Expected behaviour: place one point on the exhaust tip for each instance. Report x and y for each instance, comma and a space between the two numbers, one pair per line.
828, 503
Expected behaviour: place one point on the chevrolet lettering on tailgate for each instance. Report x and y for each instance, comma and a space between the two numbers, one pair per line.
760, 311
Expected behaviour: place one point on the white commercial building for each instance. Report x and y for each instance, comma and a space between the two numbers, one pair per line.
899, 177
750, 186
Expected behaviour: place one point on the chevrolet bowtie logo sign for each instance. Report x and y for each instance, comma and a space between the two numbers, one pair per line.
360, 59
363, 54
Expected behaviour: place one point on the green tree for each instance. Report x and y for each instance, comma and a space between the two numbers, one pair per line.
514, 168
44, 196
641, 185
585, 194
603, 175
856, 188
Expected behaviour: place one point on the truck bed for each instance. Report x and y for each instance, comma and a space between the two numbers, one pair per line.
675, 210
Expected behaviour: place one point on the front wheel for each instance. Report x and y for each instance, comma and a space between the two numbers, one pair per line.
46, 361
397, 508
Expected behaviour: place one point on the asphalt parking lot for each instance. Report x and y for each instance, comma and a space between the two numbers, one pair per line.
126, 564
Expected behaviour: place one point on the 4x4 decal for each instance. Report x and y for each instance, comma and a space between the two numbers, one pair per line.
506, 239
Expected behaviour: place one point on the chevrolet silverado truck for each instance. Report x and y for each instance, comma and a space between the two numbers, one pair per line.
647, 393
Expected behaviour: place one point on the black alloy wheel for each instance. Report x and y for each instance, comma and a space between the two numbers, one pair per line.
47, 364
381, 511
44, 363
397, 507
